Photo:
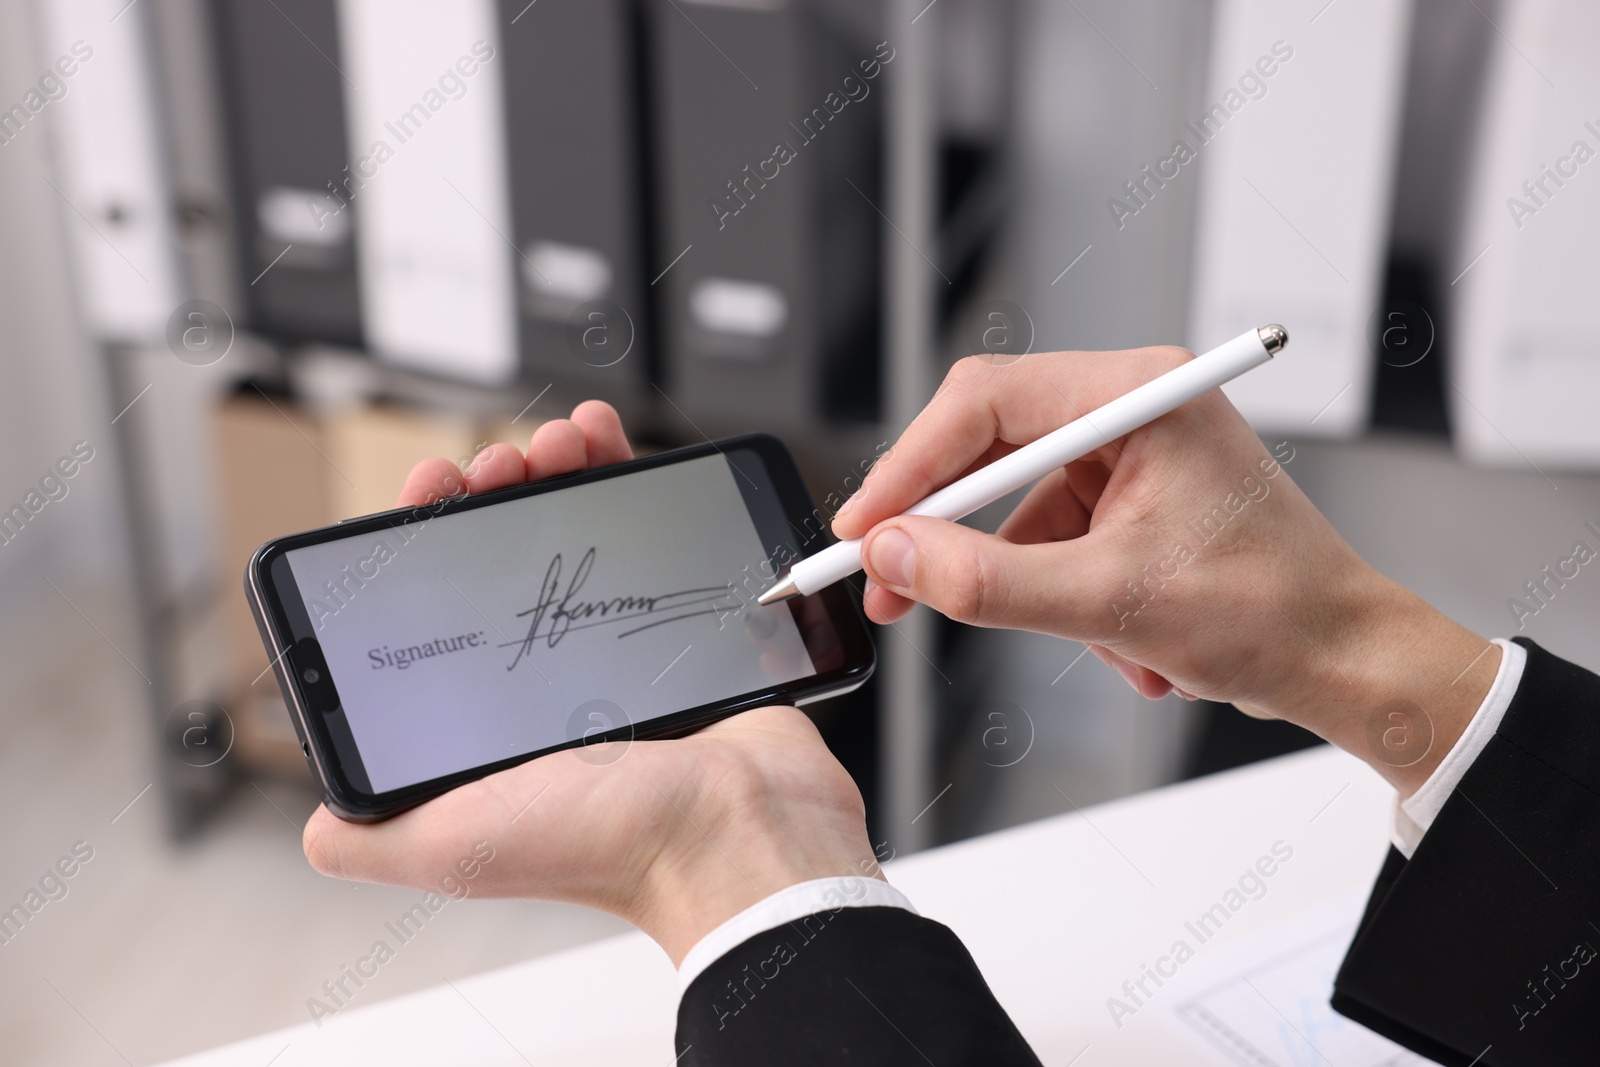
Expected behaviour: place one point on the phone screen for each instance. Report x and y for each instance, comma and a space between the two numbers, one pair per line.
475, 636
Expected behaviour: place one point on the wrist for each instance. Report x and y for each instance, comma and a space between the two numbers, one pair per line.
1393, 681
745, 841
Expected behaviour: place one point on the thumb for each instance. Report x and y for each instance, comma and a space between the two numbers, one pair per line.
967, 575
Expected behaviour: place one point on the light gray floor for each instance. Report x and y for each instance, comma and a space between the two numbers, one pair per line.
158, 950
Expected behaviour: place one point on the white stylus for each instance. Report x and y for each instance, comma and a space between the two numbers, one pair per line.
1055, 449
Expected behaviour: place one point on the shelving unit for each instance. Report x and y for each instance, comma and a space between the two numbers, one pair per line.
168, 618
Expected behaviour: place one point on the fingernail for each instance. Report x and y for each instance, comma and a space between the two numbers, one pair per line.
893, 556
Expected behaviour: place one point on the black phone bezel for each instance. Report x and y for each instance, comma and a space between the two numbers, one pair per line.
275, 598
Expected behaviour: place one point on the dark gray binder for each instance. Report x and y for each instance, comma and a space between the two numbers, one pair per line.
287, 152
571, 70
767, 260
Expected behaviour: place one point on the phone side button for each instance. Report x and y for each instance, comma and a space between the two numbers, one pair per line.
305, 746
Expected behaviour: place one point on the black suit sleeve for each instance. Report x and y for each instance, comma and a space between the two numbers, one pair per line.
1482, 948
855, 986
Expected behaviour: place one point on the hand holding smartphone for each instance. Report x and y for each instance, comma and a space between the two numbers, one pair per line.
427, 647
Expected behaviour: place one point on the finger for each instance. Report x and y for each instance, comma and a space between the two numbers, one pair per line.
405, 850
495, 467
983, 402
1146, 682
320, 840
602, 430
359, 853
1153, 686
884, 607
1087, 479
1050, 512
431, 480
992, 453
982, 579
558, 447
420, 846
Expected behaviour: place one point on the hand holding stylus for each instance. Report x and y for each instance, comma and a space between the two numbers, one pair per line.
1182, 553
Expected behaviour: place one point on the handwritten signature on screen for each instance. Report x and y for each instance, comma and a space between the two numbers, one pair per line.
559, 613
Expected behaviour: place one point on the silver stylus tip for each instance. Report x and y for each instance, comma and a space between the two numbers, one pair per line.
782, 591
1274, 337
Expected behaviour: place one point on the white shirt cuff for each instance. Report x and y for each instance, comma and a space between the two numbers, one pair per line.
1412, 817
785, 906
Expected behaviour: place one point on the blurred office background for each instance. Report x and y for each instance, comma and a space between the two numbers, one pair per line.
258, 258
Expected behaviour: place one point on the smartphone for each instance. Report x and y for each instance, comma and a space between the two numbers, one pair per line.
421, 648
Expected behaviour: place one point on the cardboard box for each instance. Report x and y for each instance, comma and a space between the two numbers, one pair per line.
374, 448
274, 479
283, 470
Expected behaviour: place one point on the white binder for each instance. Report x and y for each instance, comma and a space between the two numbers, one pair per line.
1524, 308
108, 174
433, 211
1295, 191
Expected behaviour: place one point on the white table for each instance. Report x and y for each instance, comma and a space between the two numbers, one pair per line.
1058, 913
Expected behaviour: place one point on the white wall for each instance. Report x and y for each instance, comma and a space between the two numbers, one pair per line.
1465, 538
